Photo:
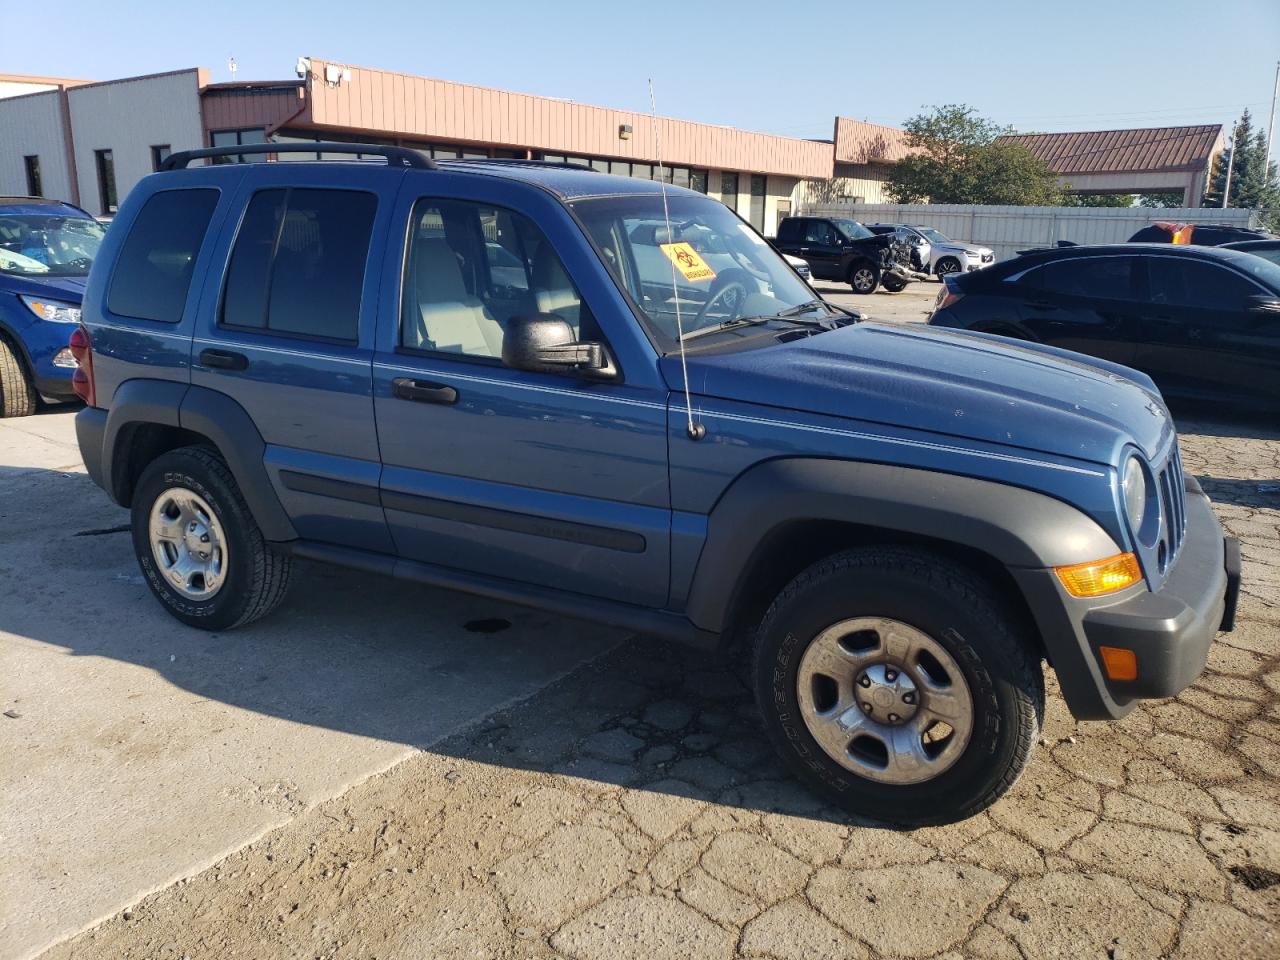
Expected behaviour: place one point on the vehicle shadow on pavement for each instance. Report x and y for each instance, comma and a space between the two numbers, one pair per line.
387, 660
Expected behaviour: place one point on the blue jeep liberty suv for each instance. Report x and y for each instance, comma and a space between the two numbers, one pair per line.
612, 399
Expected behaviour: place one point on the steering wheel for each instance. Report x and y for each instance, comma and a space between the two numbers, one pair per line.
728, 285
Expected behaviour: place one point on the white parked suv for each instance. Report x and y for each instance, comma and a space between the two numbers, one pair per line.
944, 254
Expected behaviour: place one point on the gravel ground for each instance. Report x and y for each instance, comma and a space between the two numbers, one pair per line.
631, 811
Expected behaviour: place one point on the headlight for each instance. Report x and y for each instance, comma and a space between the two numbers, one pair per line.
54, 310
1134, 485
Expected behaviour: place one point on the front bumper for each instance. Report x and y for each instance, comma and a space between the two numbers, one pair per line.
1169, 630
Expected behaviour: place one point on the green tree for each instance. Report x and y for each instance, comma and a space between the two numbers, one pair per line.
1172, 198
1251, 185
959, 159
1098, 200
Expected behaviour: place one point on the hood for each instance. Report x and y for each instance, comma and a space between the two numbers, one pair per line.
944, 382
957, 247
66, 289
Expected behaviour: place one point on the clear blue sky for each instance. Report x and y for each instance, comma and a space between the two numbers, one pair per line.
778, 67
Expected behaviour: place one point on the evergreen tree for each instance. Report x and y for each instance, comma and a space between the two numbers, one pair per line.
1251, 185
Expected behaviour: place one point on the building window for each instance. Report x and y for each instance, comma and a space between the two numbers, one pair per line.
729, 190
235, 138
757, 201
159, 154
698, 180
106, 166
34, 187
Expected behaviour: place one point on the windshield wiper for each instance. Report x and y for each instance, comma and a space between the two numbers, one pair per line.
813, 304
823, 323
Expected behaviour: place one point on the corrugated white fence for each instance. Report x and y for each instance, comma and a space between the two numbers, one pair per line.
1007, 230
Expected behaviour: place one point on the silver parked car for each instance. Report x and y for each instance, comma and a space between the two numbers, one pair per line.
939, 254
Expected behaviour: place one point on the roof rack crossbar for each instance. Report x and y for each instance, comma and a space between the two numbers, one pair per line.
395, 156
520, 162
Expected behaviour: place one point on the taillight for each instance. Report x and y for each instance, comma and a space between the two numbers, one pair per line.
946, 296
81, 347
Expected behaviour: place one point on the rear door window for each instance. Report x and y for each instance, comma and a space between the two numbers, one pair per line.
1098, 278
299, 262
153, 272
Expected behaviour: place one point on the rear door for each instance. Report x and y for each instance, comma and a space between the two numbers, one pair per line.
288, 335
1089, 304
1201, 338
538, 478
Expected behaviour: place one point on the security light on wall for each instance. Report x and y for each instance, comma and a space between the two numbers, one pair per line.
334, 75
624, 132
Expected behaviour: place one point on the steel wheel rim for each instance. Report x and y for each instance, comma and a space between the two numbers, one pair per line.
862, 279
857, 674
188, 543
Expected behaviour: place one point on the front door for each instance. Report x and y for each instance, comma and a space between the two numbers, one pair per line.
539, 478
1202, 338
820, 245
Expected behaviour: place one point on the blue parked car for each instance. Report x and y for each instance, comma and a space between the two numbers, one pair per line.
466, 374
46, 249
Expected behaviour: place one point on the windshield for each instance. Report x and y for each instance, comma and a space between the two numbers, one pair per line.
853, 229
724, 270
932, 235
43, 245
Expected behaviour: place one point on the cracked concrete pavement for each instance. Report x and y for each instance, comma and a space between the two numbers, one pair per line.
631, 810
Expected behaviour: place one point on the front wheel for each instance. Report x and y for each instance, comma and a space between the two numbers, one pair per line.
898, 686
17, 395
864, 277
198, 545
892, 283
945, 266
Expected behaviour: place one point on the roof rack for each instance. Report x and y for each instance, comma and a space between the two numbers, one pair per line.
518, 162
395, 156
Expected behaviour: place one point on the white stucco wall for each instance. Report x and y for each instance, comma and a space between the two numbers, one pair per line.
127, 117
33, 125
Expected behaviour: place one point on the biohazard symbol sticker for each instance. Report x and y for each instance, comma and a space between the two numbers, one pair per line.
687, 261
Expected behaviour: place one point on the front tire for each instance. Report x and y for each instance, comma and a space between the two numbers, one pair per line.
198, 545
864, 277
893, 284
945, 266
895, 683
17, 395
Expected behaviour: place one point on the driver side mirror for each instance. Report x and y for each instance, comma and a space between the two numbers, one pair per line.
544, 343
1264, 306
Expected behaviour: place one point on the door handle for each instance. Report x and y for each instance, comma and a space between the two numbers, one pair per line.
423, 391
1042, 305
223, 360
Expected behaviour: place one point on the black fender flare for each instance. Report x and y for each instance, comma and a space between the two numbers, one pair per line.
1019, 528
209, 413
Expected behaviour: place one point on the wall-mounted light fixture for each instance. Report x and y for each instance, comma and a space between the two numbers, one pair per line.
624, 132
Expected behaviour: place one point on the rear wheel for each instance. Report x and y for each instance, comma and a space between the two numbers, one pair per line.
947, 265
17, 395
198, 545
864, 277
895, 683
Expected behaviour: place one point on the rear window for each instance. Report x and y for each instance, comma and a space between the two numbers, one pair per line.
298, 264
153, 272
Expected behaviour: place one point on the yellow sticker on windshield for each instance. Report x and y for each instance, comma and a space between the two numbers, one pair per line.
687, 261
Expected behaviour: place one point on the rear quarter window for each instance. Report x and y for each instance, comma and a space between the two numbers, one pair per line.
153, 272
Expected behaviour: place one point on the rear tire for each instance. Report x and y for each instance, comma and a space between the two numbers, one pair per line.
246, 580
914, 633
17, 395
864, 277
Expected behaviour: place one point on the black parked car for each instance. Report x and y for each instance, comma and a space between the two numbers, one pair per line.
1267, 249
1203, 322
846, 251
1201, 234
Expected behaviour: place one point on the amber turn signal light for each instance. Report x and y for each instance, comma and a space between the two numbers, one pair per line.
1120, 664
1099, 577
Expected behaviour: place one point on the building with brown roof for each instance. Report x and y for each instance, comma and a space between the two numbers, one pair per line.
1151, 160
